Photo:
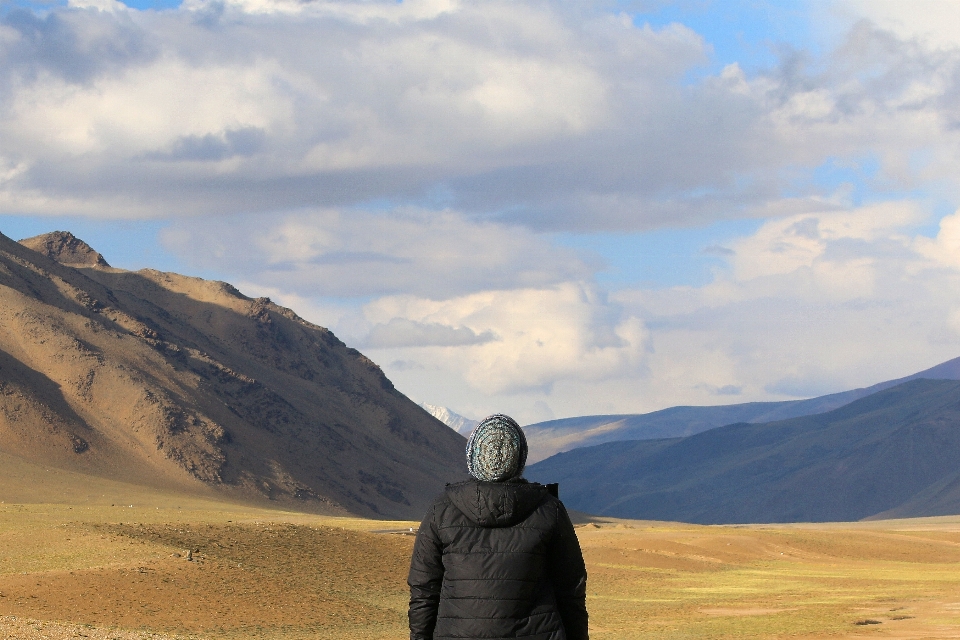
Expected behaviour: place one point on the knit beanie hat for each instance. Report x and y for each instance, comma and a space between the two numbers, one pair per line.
496, 449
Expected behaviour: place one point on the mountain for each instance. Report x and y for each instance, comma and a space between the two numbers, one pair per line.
178, 382
452, 419
555, 436
895, 453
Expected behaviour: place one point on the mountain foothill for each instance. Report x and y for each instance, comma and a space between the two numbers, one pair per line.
892, 454
565, 434
182, 383
185, 384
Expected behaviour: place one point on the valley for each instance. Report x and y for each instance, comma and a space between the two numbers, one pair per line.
178, 460
96, 558
278, 278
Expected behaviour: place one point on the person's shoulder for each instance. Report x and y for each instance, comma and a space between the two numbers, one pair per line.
553, 503
443, 498
546, 493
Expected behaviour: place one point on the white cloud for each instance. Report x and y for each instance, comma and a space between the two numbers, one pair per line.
937, 22
336, 92
568, 331
360, 253
810, 304
101, 5
553, 115
172, 101
945, 247
401, 332
807, 304
389, 169
784, 245
356, 11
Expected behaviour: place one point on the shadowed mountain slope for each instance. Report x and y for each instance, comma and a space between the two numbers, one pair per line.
182, 383
895, 453
555, 436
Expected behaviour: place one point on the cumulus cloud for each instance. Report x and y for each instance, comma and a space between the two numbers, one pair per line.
237, 142
934, 21
401, 332
569, 331
944, 249
556, 116
354, 101
809, 304
825, 244
348, 253
78, 46
806, 304
395, 170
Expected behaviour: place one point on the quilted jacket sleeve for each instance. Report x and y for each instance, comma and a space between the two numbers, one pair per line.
569, 576
425, 579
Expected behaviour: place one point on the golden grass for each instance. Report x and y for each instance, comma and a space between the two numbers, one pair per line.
682, 581
94, 560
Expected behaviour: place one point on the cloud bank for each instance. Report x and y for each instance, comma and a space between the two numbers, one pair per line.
557, 116
402, 172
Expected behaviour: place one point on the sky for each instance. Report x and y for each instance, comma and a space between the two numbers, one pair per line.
546, 209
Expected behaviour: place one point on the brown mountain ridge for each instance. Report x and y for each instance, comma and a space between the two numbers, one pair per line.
179, 382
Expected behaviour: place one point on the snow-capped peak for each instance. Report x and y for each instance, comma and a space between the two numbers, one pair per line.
450, 418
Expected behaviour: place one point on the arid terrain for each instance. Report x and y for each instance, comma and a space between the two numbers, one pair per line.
178, 460
188, 385
84, 557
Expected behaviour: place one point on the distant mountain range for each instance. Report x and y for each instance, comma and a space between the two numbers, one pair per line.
177, 382
555, 436
894, 453
452, 419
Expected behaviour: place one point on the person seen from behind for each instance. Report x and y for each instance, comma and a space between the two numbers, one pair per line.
496, 556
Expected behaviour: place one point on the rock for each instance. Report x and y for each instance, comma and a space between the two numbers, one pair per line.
65, 248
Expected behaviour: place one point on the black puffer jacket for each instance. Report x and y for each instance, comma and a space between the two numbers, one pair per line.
497, 560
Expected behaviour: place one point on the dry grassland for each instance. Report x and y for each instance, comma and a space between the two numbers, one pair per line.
87, 564
888, 579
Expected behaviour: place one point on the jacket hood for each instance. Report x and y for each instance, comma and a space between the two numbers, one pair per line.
496, 504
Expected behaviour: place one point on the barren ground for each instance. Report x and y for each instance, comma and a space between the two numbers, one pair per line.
78, 561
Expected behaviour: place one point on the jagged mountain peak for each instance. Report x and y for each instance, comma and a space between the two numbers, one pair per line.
65, 248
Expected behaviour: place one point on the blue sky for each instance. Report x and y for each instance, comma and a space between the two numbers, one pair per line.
131, 244
751, 33
548, 209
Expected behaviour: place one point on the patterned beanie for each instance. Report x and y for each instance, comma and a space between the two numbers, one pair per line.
496, 449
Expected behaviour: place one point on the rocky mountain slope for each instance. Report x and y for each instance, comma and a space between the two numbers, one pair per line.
555, 436
179, 382
892, 454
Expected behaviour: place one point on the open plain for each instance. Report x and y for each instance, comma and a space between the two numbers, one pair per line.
82, 557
